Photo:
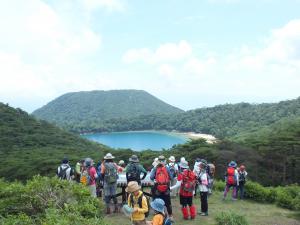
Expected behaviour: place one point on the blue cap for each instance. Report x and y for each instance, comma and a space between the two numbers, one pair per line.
232, 164
158, 205
65, 160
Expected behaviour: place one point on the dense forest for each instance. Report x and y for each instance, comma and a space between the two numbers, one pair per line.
224, 121
90, 107
29, 146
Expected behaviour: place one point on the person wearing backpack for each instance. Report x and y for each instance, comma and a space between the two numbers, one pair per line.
173, 167
210, 171
159, 218
134, 169
78, 170
242, 180
202, 179
121, 167
139, 202
109, 173
162, 177
64, 171
91, 176
187, 182
231, 180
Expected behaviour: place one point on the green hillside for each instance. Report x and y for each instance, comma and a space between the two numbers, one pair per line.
83, 109
29, 147
223, 121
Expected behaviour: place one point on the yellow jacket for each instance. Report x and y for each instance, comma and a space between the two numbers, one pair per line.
140, 214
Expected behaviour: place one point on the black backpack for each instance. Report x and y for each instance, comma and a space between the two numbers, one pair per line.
63, 173
133, 173
242, 177
140, 203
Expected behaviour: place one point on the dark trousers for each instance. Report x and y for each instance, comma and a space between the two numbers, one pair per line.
167, 199
204, 204
241, 190
186, 200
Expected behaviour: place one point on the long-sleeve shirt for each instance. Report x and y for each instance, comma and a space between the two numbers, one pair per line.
203, 186
158, 219
140, 214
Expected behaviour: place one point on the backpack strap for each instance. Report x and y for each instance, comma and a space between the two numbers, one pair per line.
131, 200
140, 201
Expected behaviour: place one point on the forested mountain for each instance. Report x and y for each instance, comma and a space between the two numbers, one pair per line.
29, 147
83, 109
223, 121
271, 155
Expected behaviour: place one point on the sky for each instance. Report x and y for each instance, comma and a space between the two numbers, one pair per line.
190, 54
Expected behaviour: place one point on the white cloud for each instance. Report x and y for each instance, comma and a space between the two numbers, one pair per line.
197, 66
224, 1
41, 51
166, 70
281, 49
168, 52
110, 5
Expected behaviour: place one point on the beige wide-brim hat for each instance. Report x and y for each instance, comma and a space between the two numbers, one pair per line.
132, 187
184, 165
109, 156
172, 159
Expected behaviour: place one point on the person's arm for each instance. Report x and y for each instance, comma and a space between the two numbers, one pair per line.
152, 175
95, 173
102, 170
236, 174
129, 200
77, 169
177, 185
204, 180
144, 208
143, 171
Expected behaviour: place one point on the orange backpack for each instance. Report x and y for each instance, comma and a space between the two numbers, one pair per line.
189, 181
231, 176
162, 179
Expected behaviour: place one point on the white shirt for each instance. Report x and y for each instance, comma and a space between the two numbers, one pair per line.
204, 182
68, 171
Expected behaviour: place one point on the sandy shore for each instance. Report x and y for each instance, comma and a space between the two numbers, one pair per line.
209, 138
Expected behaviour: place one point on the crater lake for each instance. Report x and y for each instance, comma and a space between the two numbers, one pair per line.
138, 140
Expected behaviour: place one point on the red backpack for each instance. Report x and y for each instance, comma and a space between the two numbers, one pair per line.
189, 181
231, 176
162, 179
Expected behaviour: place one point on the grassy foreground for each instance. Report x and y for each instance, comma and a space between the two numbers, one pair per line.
255, 213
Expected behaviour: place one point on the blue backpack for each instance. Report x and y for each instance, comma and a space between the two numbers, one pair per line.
167, 221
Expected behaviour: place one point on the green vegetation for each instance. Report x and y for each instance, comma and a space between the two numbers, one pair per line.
230, 218
29, 147
284, 196
85, 110
253, 212
48, 201
137, 110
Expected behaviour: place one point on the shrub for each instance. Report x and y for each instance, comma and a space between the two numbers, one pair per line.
259, 193
230, 218
219, 185
46, 200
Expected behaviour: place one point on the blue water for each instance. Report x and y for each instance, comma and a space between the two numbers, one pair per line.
138, 141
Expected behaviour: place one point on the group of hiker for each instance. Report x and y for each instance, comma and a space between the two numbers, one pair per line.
169, 178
